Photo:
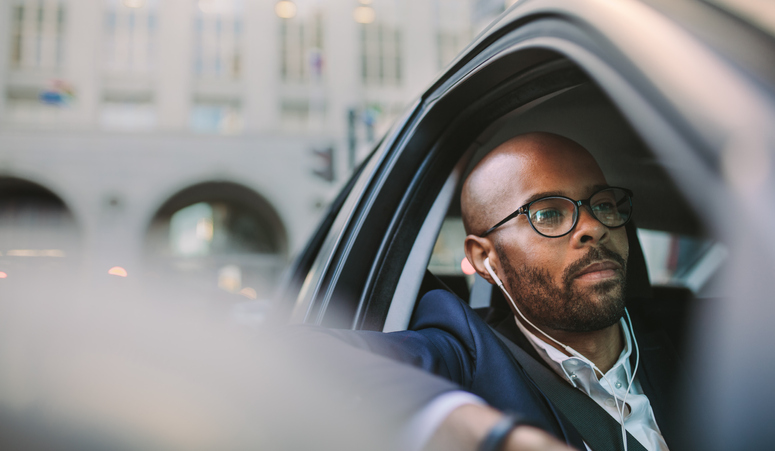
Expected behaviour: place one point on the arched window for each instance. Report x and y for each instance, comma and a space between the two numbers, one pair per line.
221, 227
37, 230
226, 237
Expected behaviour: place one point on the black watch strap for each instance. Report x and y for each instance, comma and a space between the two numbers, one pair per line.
497, 435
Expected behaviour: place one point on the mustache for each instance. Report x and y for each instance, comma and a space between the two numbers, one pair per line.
595, 254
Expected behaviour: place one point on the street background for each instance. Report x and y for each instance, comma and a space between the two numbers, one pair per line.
200, 141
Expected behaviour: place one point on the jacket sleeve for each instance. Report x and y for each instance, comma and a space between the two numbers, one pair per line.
394, 365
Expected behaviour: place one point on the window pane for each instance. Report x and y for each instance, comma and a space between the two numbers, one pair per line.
683, 261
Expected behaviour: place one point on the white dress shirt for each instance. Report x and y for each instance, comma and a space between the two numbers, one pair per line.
638, 416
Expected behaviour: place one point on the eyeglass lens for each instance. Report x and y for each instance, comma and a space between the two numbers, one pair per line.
556, 216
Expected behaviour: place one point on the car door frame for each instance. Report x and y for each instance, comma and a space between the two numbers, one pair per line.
520, 56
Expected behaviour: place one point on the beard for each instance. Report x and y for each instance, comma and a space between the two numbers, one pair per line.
565, 307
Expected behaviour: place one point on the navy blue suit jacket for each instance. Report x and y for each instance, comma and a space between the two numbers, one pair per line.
449, 339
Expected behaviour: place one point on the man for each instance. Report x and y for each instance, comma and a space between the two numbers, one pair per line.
539, 212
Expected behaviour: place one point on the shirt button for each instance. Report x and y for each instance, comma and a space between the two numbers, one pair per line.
618, 385
573, 375
610, 402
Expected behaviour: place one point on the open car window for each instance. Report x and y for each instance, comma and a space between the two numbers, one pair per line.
573, 84
585, 114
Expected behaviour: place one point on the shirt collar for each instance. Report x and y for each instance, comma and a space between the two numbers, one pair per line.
560, 362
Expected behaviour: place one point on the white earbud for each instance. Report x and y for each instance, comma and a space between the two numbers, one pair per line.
492, 273
575, 353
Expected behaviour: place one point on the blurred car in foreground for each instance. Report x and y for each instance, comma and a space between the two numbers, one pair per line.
676, 100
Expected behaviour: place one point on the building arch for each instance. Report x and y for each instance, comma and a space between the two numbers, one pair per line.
17, 191
246, 208
34, 221
222, 237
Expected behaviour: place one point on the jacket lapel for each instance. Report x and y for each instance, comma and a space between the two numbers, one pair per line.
659, 374
509, 329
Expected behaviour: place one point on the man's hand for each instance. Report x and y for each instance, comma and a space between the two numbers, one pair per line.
466, 427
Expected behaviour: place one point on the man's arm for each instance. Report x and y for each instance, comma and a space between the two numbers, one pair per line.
467, 426
396, 392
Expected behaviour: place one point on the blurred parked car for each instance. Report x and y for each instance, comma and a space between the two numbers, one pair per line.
675, 99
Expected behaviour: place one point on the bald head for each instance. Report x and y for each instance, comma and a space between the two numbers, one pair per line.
507, 175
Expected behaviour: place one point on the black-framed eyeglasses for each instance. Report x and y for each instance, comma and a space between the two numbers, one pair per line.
556, 216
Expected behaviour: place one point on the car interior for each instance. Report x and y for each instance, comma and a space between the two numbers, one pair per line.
395, 231
584, 114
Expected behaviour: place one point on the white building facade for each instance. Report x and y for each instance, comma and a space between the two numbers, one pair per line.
187, 129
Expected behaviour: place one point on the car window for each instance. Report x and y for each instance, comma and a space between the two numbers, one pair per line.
448, 257
676, 260
582, 113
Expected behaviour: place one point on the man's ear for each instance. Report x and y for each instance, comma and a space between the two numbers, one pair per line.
477, 250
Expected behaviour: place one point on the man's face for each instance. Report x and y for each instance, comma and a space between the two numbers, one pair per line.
573, 283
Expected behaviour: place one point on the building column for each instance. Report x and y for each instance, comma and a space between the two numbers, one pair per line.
82, 68
419, 46
261, 69
343, 84
5, 55
174, 67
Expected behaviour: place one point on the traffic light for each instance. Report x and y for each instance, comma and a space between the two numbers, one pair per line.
324, 164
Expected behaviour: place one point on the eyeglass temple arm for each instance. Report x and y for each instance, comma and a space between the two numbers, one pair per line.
508, 218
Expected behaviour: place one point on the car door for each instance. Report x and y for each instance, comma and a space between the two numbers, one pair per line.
529, 54
693, 89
